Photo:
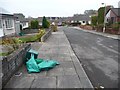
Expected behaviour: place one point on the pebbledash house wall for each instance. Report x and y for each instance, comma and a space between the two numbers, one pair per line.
5, 30
11, 30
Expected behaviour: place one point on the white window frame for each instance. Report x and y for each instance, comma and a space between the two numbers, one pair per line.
8, 23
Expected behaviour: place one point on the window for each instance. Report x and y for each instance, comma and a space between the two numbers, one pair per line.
8, 23
83, 21
0, 23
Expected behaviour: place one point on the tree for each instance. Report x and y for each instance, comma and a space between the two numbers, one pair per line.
90, 12
94, 20
34, 24
101, 11
45, 23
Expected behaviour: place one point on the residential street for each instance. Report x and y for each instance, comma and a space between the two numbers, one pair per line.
69, 74
98, 55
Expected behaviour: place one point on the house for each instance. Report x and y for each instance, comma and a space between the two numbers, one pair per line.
80, 19
8, 23
113, 15
24, 22
55, 20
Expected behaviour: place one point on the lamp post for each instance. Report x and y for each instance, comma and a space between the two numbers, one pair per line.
104, 17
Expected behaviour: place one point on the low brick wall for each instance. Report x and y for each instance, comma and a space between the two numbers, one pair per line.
86, 27
44, 37
11, 63
112, 31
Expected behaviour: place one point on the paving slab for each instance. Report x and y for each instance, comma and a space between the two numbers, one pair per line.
44, 82
66, 64
69, 81
56, 72
20, 82
70, 71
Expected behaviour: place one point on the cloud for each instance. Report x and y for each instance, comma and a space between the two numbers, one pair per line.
53, 7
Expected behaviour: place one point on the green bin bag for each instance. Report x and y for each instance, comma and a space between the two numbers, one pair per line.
21, 34
47, 64
32, 65
31, 51
39, 60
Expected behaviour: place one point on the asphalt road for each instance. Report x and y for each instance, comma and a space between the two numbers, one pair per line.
98, 55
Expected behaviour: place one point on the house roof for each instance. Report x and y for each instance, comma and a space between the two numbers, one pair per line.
20, 16
4, 13
7, 15
81, 18
116, 11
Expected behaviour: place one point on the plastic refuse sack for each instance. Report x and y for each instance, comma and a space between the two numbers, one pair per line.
21, 34
47, 64
31, 51
32, 65
39, 60
36, 65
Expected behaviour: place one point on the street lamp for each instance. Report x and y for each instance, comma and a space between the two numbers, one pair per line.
104, 17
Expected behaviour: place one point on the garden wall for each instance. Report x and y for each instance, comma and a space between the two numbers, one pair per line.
11, 63
86, 27
45, 36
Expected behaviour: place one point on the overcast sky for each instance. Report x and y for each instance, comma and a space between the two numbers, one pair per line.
61, 8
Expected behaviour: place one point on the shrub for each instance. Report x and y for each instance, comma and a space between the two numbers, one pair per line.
54, 28
94, 20
40, 34
100, 27
116, 26
119, 23
4, 54
34, 24
10, 44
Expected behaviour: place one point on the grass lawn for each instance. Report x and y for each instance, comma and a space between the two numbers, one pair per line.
28, 39
33, 37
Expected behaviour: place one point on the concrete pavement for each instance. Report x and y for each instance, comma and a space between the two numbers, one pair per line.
100, 33
69, 74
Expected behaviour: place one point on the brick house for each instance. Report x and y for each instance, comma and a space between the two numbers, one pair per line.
113, 15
